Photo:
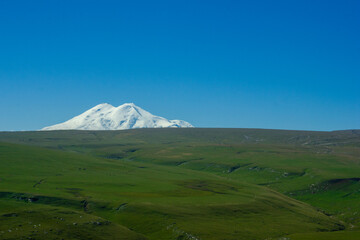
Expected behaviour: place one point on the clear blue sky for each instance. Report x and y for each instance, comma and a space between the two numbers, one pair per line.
246, 64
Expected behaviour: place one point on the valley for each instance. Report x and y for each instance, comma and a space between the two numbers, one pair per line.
187, 183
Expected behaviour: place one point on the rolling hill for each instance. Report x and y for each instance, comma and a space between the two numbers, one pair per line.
180, 184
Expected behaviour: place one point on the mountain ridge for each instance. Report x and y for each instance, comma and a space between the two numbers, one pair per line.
104, 116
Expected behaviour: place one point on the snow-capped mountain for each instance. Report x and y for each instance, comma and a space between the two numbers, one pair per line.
127, 116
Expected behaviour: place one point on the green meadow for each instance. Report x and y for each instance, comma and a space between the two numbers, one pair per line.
183, 184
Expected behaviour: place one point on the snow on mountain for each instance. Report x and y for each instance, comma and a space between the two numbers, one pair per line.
127, 116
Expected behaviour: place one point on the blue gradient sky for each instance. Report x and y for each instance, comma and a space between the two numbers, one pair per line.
247, 64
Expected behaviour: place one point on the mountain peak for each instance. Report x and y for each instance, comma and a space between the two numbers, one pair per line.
102, 105
104, 116
128, 104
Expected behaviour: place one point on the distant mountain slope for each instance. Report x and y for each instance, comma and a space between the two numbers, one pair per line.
127, 116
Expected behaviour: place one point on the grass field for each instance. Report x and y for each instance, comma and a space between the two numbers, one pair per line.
180, 184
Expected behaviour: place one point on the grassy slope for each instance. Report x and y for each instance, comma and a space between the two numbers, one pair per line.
160, 202
23, 220
161, 182
347, 235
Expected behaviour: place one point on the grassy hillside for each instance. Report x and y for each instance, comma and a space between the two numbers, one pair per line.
180, 184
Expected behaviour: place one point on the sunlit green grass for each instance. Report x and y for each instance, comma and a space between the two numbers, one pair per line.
348, 235
183, 183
